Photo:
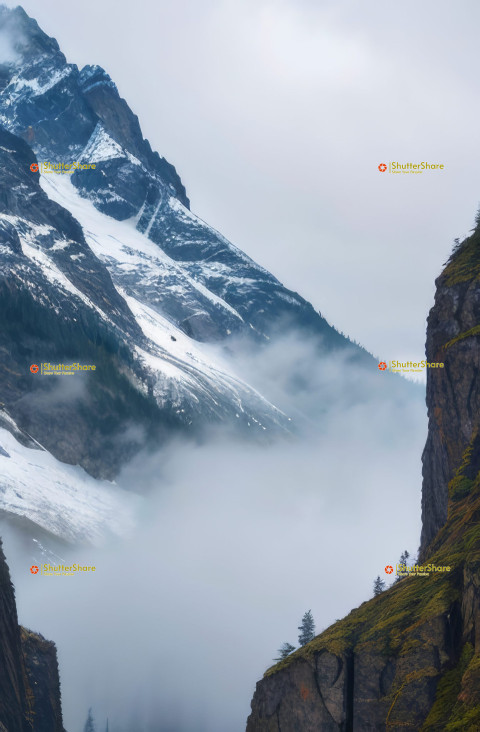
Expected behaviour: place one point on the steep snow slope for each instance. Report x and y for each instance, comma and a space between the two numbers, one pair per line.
143, 275
136, 263
62, 499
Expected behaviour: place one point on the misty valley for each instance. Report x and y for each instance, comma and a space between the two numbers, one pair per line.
231, 515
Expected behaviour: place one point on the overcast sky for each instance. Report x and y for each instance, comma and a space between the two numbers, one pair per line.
277, 114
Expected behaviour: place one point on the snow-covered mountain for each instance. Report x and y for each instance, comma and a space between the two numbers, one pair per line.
108, 266
68, 115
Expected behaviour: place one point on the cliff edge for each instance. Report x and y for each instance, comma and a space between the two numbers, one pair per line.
410, 657
29, 683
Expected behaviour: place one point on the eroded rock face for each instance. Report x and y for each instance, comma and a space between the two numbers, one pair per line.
307, 696
13, 700
43, 680
29, 683
357, 690
453, 395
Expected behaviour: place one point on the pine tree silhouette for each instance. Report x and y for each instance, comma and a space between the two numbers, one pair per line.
89, 724
378, 586
307, 629
284, 651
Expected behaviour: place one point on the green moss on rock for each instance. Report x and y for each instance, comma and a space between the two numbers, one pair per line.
447, 693
464, 266
461, 336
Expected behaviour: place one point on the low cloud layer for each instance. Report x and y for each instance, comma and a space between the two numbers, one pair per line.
236, 542
8, 54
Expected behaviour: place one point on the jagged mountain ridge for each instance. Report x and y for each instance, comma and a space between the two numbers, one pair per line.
70, 114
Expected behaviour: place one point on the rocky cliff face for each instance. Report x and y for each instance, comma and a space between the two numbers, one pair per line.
29, 683
410, 658
453, 399
45, 713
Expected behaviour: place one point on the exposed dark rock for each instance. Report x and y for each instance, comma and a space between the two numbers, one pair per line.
42, 673
117, 117
13, 687
29, 684
453, 393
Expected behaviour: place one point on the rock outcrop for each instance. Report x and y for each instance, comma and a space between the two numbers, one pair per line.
42, 673
29, 682
410, 658
453, 399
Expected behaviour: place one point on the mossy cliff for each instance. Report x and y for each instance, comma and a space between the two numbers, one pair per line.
410, 658
454, 398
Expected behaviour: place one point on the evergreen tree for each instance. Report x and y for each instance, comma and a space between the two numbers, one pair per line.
404, 556
477, 218
378, 586
284, 651
89, 724
457, 245
307, 629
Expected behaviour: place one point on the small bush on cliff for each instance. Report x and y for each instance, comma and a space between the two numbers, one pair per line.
284, 651
307, 629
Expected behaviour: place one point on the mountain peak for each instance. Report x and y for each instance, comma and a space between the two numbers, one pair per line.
91, 75
23, 39
57, 108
